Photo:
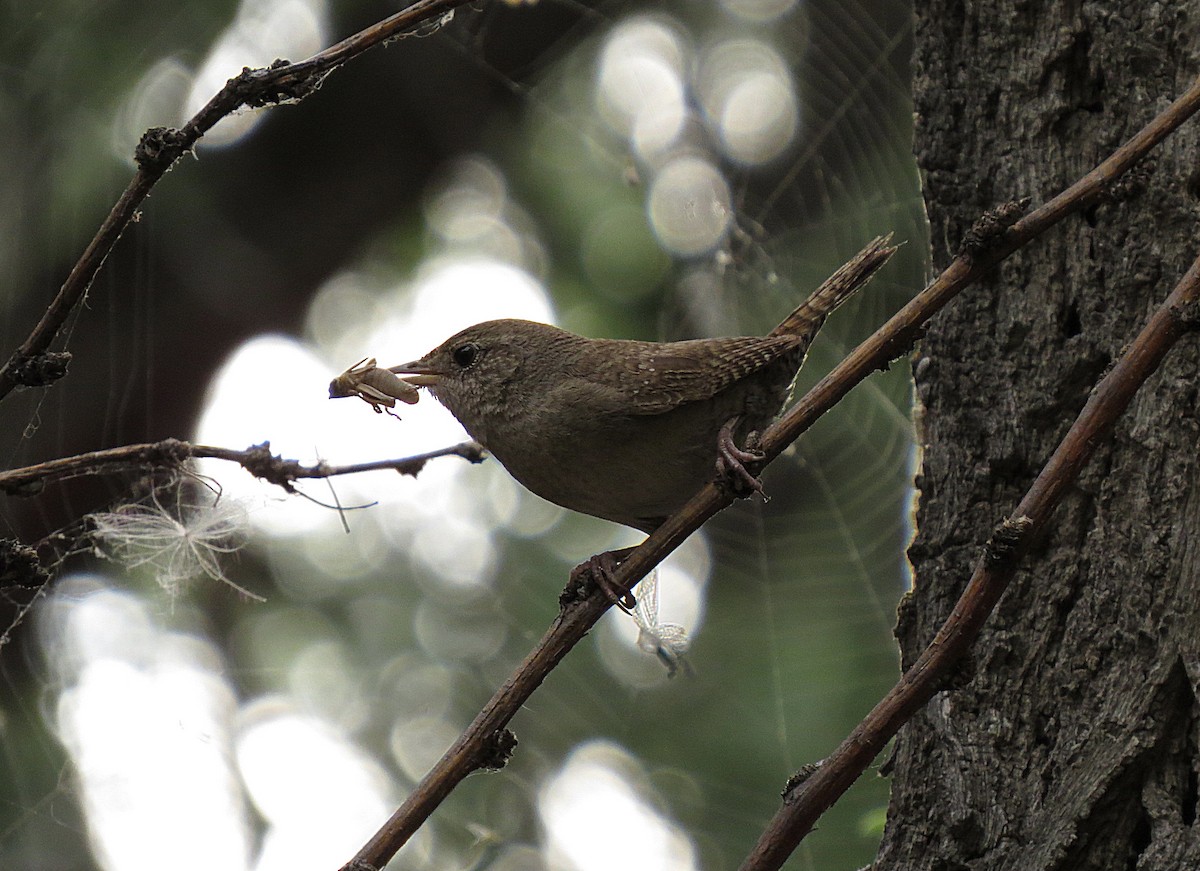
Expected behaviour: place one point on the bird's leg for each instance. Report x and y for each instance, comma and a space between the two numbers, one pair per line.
731, 461
599, 569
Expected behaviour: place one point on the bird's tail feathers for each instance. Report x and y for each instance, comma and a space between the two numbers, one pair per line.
839, 287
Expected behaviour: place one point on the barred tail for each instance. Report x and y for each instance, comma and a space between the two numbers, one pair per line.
839, 287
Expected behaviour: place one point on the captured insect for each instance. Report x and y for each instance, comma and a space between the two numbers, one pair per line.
378, 387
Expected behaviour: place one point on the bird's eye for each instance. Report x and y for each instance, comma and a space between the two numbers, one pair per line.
465, 355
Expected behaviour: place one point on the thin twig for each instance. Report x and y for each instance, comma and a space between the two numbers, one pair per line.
170, 453
806, 800
162, 147
886, 344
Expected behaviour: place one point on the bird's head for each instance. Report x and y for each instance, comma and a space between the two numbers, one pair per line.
480, 372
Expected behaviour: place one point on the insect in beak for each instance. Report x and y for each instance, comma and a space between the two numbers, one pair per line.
379, 388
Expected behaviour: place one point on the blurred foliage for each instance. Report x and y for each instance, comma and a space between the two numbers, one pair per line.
796, 644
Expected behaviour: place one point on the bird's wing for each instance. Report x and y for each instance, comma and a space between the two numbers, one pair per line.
658, 377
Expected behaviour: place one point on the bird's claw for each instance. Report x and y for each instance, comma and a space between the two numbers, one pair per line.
599, 569
732, 460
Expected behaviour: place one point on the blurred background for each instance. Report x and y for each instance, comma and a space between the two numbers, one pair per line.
256, 680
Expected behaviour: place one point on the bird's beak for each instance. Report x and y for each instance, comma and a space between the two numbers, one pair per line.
422, 373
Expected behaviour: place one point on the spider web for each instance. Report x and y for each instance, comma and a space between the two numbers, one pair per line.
475, 173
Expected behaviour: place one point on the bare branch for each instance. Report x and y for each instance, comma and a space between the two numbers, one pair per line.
171, 453
31, 364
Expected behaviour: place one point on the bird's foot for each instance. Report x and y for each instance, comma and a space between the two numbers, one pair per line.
599, 571
732, 460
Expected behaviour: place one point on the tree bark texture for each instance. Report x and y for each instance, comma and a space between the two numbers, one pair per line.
1071, 739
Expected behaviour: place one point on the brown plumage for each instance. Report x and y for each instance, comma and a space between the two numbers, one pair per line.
619, 429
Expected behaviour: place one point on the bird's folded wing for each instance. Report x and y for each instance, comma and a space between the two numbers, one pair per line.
662, 376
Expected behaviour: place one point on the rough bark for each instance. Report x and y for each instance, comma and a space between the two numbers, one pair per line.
1071, 741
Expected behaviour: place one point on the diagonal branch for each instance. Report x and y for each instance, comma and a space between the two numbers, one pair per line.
485, 740
476, 747
806, 799
31, 364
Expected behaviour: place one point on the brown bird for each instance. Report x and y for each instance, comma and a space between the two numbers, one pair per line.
619, 429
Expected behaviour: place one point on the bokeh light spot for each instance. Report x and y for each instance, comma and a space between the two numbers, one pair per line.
689, 206
595, 783
320, 795
639, 83
419, 742
749, 99
758, 11
146, 718
759, 119
459, 634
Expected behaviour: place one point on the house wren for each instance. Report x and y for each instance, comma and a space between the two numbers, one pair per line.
619, 429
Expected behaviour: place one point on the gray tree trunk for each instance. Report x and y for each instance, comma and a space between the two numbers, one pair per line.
1072, 740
